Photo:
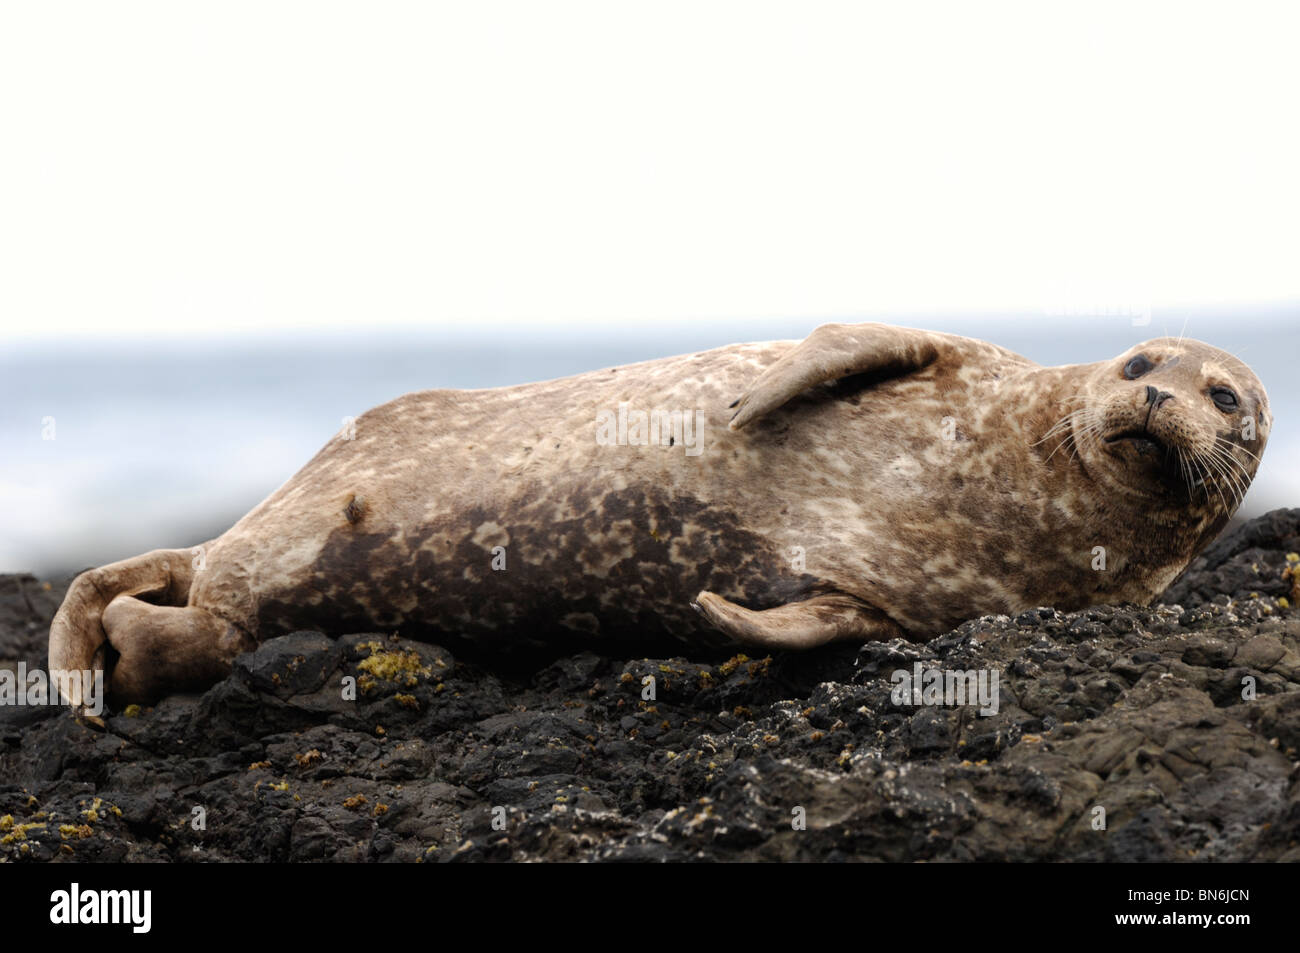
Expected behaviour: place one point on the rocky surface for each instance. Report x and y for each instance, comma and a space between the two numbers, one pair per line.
1176, 727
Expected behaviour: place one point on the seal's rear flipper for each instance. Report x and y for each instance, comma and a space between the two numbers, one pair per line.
832, 617
833, 351
165, 649
77, 636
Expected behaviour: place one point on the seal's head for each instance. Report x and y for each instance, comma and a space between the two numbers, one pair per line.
1173, 422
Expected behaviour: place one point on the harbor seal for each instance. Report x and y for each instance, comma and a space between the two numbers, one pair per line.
866, 483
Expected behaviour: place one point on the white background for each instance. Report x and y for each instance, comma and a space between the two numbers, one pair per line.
203, 167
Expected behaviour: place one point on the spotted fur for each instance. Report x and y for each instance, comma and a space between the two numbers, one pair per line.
870, 481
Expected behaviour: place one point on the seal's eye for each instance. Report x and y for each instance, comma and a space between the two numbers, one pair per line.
1136, 367
1224, 399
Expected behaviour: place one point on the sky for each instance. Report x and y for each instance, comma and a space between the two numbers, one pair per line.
226, 168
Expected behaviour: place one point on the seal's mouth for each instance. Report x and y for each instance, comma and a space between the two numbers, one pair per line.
1142, 440
1162, 457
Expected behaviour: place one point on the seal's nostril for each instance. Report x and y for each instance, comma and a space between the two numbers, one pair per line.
1163, 396
1151, 394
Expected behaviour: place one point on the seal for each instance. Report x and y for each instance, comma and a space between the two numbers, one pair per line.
870, 482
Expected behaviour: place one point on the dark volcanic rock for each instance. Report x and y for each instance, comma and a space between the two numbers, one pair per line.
1120, 733
27, 607
1247, 562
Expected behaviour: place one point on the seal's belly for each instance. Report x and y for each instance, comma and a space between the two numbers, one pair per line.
509, 565
527, 576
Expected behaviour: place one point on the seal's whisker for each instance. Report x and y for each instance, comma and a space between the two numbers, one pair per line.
1067, 437
1209, 478
1218, 489
1224, 478
1092, 428
1234, 471
1237, 473
1077, 424
1223, 441
1195, 475
1183, 469
1200, 472
1055, 429
1063, 424
1064, 440
1224, 450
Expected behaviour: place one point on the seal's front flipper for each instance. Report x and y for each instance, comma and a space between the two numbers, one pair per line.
833, 351
832, 617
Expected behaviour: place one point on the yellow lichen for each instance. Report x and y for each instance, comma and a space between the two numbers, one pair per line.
1292, 573
402, 668
307, 757
132, 711
75, 831
731, 664
355, 802
18, 832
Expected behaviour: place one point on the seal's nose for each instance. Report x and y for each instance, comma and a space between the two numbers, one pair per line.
1157, 397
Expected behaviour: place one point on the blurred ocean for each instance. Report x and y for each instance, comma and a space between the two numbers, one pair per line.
165, 443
